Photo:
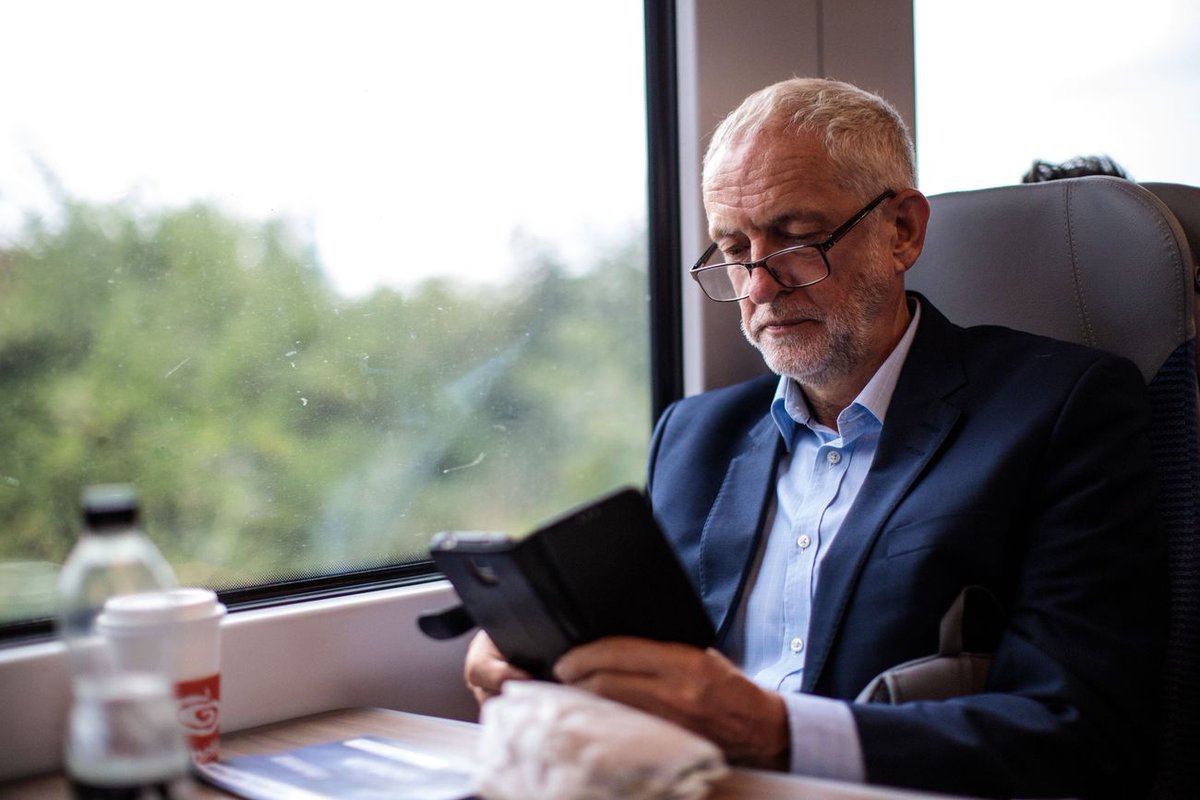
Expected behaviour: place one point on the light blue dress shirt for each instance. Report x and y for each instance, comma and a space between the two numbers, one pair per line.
820, 474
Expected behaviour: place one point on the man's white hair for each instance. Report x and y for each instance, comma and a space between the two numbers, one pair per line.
865, 138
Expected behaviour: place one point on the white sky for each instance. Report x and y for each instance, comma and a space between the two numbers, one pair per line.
412, 138
1002, 84
401, 134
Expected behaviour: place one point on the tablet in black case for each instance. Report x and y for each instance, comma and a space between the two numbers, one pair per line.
603, 569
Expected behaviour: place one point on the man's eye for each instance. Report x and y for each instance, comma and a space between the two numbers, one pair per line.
737, 253
803, 238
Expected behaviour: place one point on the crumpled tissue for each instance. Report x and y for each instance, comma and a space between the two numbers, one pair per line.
544, 741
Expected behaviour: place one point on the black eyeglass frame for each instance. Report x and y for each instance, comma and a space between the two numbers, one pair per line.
822, 247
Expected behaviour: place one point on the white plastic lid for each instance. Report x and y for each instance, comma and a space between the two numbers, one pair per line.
192, 603
160, 608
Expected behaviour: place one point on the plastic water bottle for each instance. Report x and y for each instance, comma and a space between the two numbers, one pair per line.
123, 740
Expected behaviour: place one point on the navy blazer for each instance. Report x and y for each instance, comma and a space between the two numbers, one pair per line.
1008, 460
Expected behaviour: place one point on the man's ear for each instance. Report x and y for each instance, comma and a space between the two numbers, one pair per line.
911, 211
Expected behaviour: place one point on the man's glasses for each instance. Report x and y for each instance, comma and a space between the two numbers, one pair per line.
792, 267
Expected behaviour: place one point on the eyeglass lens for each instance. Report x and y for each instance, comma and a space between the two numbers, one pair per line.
793, 267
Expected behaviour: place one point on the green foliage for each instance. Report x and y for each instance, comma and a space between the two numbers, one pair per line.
276, 429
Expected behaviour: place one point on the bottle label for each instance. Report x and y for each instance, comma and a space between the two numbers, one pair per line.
200, 715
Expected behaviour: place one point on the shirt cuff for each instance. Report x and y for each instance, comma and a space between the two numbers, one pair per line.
825, 740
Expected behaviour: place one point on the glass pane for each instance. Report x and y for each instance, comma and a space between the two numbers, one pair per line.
1002, 84
320, 279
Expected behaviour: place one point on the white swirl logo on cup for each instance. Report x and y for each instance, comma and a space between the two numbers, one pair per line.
199, 714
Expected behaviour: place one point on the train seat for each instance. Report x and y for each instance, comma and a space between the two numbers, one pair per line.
1103, 262
1184, 202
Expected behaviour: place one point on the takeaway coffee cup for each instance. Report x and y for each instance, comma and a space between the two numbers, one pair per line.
186, 623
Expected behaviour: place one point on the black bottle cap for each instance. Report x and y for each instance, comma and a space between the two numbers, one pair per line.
106, 506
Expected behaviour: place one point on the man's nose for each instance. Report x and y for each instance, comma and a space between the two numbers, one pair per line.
763, 288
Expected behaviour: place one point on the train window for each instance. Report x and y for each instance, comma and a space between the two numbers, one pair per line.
999, 85
320, 280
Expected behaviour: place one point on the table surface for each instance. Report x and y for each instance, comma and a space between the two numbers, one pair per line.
455, 741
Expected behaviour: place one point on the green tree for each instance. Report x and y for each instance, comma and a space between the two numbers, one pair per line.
276, 429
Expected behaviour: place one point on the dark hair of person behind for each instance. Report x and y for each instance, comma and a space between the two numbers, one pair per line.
1073, 168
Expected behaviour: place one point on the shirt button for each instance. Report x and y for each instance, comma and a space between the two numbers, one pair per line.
833, 456
797, 644
804, 541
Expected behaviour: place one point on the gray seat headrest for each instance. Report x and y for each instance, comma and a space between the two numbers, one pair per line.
1097, 260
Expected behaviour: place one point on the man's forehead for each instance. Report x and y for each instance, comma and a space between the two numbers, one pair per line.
776, 196
758, 150
781, 173
799, 217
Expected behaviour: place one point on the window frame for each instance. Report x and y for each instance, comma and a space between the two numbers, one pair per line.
665, 340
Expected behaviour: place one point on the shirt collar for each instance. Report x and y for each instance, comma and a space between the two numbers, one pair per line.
790, 409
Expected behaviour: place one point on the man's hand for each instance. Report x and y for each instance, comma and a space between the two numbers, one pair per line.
486, 670
699, 689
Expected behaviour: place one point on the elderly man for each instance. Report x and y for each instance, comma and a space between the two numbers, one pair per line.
830, 516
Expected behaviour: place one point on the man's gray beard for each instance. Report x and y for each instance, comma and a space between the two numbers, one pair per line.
847, 330
838, 359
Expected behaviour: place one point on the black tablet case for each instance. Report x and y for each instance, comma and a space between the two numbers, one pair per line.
603, 569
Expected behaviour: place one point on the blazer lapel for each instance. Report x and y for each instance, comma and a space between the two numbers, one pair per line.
918, 421
734, 524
